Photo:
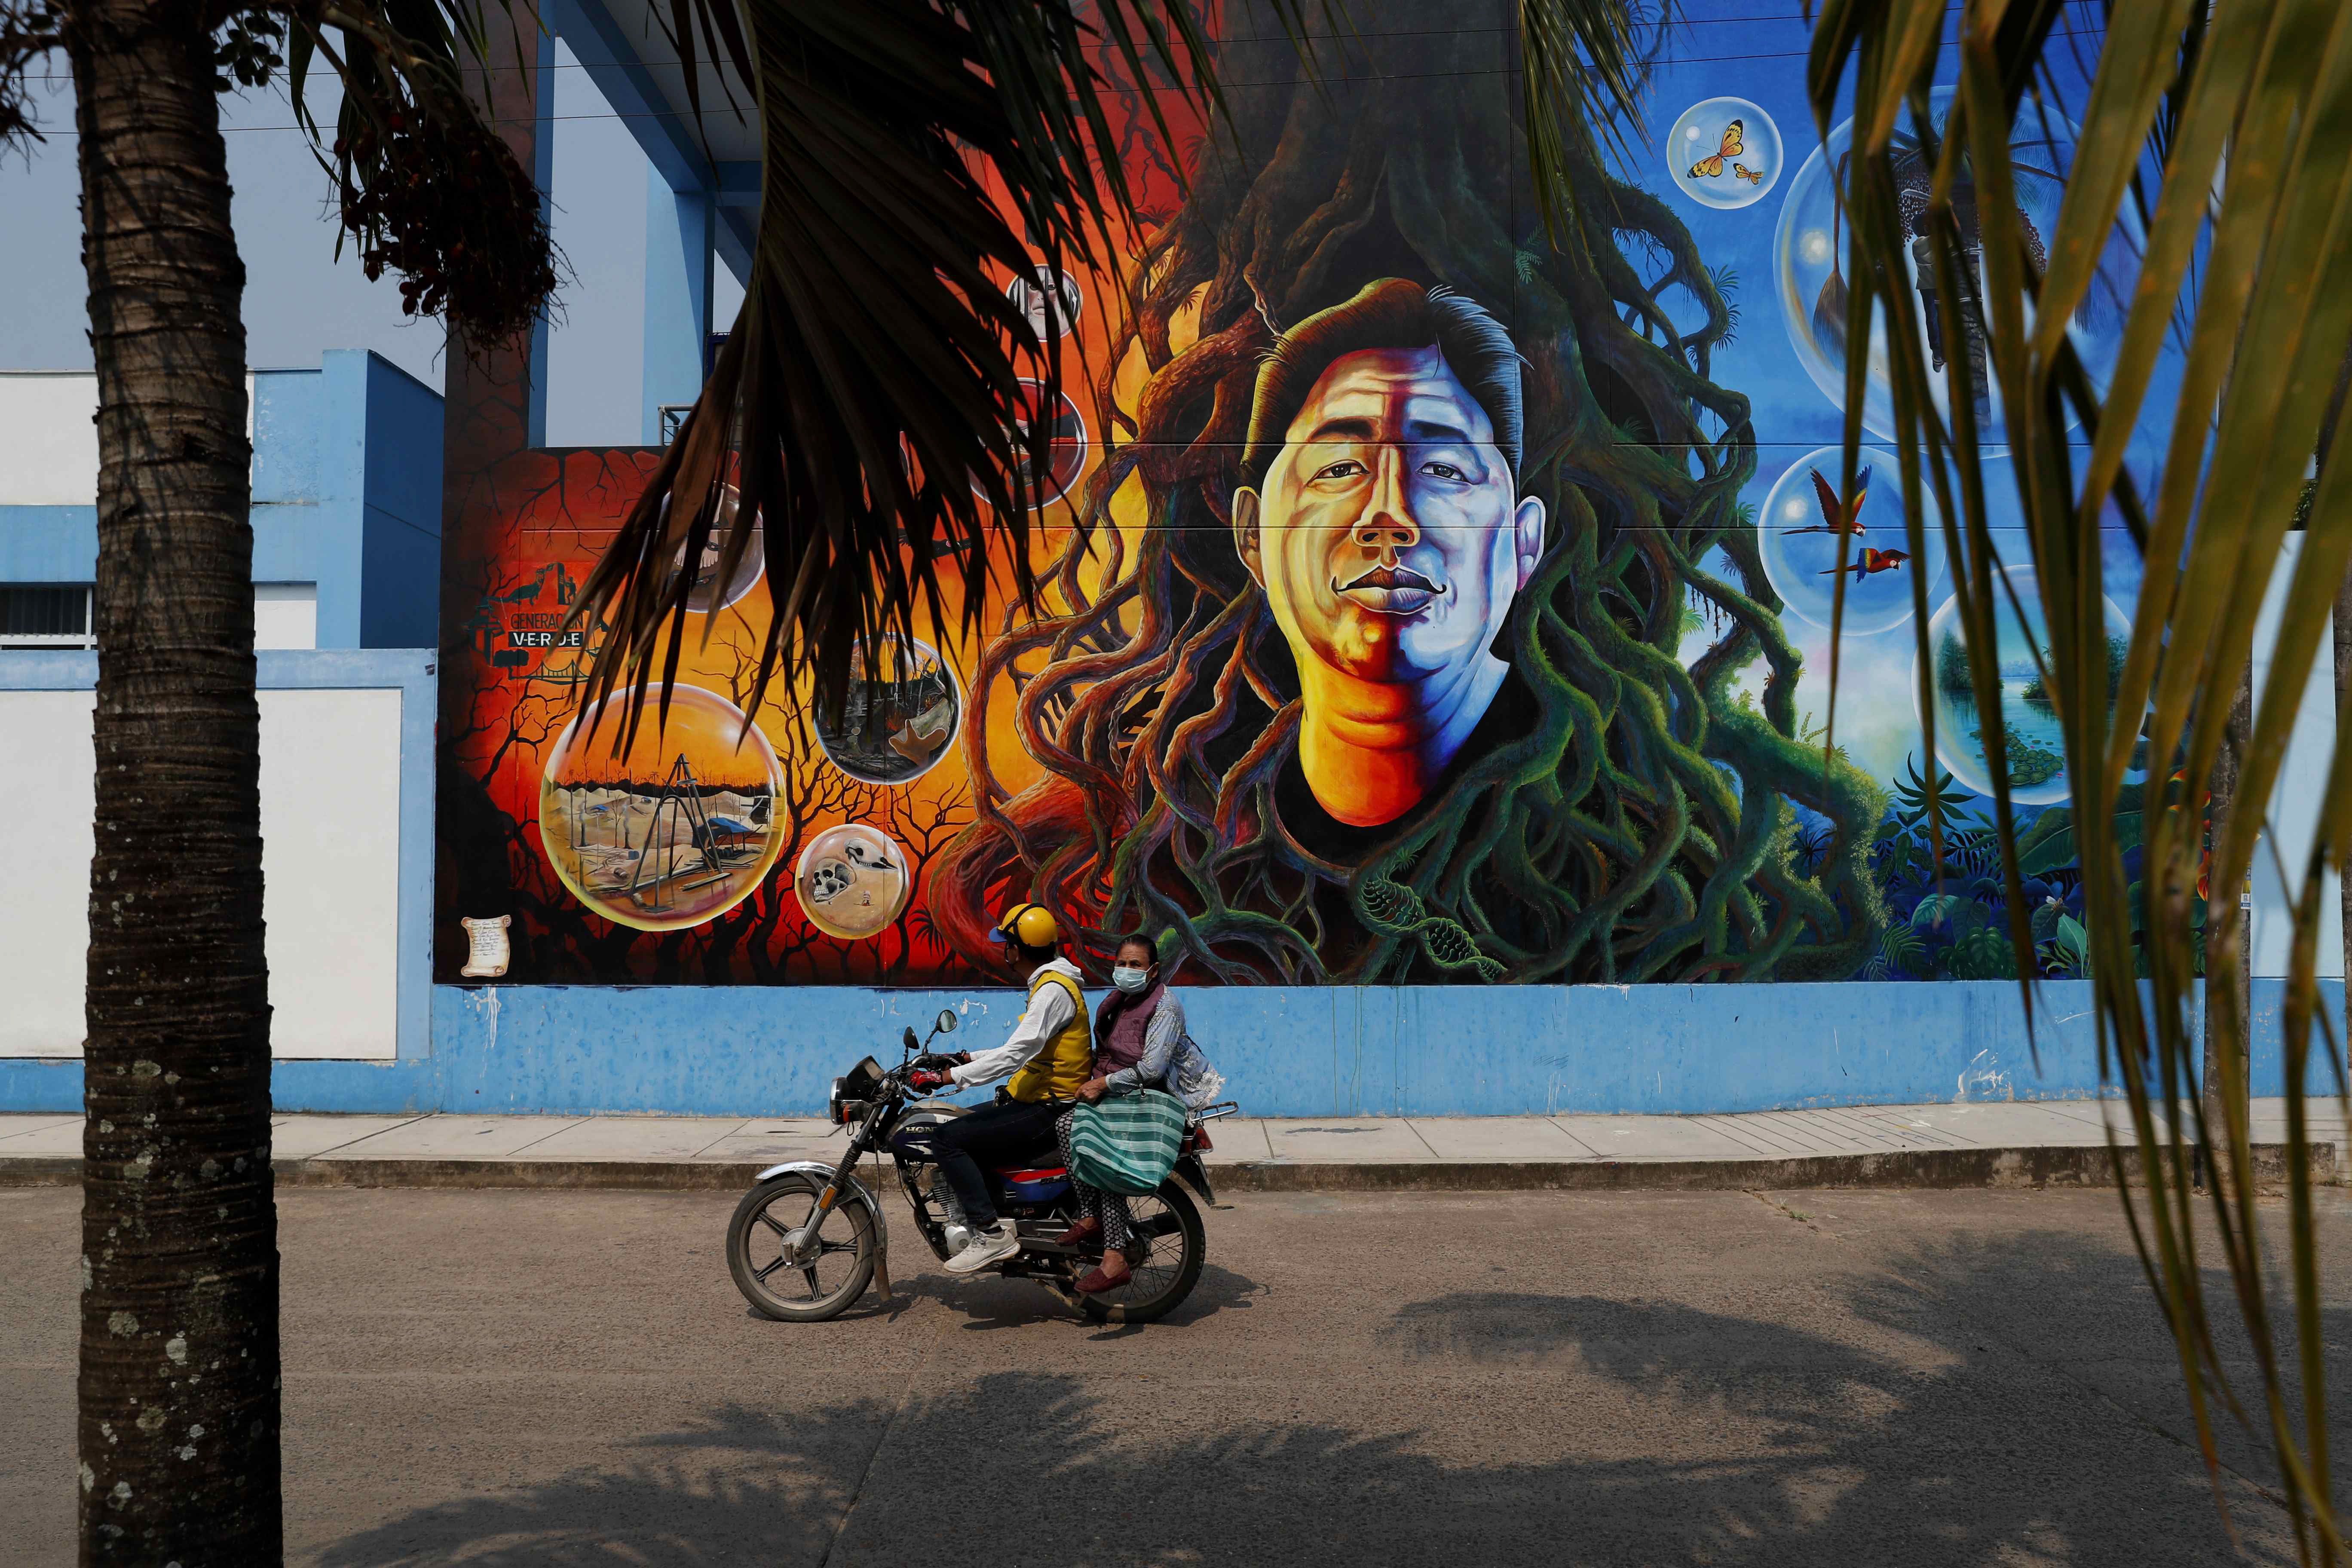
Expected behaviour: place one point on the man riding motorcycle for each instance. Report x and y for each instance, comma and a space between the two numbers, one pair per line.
1048, 1054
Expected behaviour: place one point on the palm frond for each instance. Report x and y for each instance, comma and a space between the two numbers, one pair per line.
2266, 268
470, 243
29, 31
881, 406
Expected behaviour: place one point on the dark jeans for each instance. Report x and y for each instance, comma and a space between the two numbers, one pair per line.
1007, 1127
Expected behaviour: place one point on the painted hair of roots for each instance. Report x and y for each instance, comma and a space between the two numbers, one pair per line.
1641, 831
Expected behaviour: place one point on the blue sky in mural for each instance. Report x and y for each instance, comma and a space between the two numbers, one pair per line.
1751, 52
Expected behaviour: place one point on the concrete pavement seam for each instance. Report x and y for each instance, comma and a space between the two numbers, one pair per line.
408, 1122
1769, 1201
1895, 1134
722, 1138
1590, 1151
1808, 1132
576, 1121
873, 1456
1420, 1140
47, 1126
1746, 1137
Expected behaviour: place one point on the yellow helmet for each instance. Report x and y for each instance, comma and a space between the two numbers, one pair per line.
1030, 925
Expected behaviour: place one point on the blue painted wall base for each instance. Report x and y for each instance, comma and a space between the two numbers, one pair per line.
1418, 1050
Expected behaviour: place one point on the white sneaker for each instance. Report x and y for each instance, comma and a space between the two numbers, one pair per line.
986, 1246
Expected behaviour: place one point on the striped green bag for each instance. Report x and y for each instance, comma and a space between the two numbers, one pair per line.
1127, 1145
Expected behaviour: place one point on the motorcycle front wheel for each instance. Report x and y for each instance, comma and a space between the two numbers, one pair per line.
826, 1281
1168, 1246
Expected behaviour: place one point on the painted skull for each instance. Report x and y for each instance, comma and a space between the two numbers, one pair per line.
867, 857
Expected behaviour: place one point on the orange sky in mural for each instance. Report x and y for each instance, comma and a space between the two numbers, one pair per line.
708, 743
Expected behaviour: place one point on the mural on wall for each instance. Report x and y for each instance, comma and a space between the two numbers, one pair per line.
1423, 601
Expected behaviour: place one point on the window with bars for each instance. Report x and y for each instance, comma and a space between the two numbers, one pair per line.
45, 614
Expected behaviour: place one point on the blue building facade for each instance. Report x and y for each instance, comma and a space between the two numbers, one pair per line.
346, 497
346, 520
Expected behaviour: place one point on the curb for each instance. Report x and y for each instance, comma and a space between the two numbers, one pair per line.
577, 1175
2026, 1169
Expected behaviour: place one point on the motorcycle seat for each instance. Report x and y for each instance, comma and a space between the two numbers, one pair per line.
1041, 1183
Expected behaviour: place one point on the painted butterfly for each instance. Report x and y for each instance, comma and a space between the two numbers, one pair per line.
1712, 168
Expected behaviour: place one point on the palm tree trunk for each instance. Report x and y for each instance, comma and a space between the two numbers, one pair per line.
179, 1403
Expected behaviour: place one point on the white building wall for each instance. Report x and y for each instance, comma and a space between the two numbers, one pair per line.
49, 456
285, 614
330, 857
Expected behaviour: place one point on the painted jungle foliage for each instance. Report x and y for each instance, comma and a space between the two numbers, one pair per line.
1422, 601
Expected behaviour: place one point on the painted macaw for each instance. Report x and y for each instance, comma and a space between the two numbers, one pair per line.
1873, 562
1836, 519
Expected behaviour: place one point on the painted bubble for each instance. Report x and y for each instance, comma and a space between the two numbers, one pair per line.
680, 828
1810, 257
709, 594
1065, 443
1724, 152
1033, 295
2035, 745
851, 881
896, 722
1797, 536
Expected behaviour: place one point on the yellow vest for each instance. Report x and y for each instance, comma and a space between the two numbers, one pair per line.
1055, 1072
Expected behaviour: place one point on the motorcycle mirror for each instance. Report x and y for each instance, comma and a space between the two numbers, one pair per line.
912, 1043
947, 1024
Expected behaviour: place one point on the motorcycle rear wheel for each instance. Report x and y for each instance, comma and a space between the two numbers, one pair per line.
784, 1204
1167, 1225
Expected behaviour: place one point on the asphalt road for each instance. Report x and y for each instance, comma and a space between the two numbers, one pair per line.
1723, 1379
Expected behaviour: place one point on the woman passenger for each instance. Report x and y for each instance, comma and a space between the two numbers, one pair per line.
1138, 1037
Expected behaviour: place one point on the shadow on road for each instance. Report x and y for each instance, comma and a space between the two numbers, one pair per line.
1944, 1408
658, 1510
2085, 1316
989, 1301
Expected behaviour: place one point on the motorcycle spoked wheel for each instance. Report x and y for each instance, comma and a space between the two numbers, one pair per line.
848, 1241
1174, 1244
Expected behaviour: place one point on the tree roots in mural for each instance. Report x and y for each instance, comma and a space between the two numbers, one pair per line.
1641, 831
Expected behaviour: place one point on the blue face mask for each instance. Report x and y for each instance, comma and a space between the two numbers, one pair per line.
1130, 980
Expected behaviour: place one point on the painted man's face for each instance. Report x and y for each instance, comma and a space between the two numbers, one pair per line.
1388, 535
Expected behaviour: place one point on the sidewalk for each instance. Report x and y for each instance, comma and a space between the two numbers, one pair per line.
2022, 1143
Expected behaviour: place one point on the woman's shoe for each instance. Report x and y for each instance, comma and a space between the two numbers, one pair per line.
1085, 1230
1098, 1282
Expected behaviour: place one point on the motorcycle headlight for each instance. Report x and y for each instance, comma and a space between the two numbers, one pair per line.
832, 1104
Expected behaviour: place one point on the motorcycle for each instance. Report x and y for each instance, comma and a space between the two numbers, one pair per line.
809, 1238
